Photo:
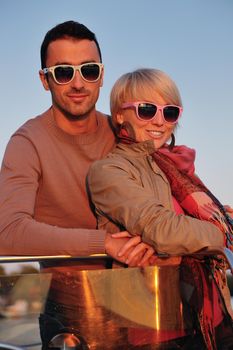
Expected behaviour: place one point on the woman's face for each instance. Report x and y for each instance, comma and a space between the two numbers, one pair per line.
156, 129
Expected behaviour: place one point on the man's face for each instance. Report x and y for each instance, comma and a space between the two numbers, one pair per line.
76, 99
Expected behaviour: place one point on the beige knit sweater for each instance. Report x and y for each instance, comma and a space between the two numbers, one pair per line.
44, 207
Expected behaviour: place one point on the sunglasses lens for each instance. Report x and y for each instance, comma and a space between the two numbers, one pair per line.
146, 111
171, 114
90, 72
63, 74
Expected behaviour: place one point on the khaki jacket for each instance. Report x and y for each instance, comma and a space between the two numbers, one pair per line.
130, 192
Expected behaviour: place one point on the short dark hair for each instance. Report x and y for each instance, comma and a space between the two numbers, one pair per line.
66, 29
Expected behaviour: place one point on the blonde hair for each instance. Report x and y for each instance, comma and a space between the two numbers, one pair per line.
141, 85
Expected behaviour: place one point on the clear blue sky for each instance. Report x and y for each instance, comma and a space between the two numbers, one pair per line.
191, 40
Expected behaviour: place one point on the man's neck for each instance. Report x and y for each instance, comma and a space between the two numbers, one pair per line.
84, 125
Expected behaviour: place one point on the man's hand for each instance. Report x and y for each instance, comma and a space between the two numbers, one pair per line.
133, 251
113, 246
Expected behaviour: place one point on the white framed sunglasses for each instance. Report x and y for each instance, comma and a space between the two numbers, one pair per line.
65, 73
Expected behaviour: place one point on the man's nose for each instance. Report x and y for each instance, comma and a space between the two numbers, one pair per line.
78, 81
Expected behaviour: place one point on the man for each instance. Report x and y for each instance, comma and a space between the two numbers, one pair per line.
44, 205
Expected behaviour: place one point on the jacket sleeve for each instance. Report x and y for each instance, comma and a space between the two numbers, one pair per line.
20, 233
119, 196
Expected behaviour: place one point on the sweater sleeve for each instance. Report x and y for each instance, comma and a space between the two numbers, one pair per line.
119, 196
20, 233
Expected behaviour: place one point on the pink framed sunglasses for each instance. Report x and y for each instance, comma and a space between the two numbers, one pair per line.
147, 111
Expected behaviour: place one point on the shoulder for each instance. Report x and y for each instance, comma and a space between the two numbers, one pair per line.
105, 173
21, 148
23, 141
112, 166
32, 127
105, 122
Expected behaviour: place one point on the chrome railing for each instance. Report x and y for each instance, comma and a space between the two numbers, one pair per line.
109, 298
226, 252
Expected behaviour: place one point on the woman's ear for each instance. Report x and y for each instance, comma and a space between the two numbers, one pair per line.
120, 118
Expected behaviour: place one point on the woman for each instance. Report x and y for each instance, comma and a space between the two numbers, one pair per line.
149, 188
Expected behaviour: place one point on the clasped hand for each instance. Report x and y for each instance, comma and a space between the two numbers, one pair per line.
129, 249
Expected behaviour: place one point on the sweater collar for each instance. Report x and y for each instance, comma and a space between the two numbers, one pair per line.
52, 127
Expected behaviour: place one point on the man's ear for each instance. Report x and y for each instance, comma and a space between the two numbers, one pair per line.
120, 118
102, 78
44, 80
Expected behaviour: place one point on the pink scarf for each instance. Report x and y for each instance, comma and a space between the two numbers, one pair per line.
192, 195
197, 201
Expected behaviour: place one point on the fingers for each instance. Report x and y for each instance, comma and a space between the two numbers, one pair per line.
138, 250
228, 208
134, 261
133, 252
122, 234
140, 254
153, 259
146, 258
132, 242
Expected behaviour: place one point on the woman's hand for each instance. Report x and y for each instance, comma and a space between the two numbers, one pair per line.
165, 261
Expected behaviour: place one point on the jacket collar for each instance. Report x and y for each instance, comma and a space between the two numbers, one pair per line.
137, 149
